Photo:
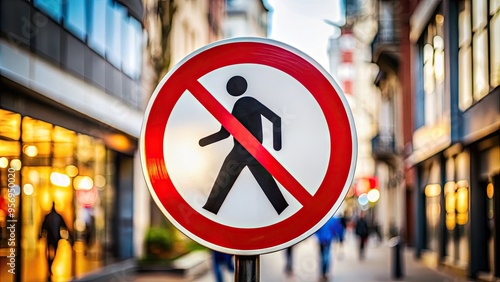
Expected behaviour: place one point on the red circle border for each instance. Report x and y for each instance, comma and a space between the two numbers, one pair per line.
247, 240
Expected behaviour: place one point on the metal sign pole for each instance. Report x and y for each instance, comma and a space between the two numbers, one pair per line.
247, 269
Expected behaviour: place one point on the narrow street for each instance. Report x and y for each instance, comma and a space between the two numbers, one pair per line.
346, 267
245, 125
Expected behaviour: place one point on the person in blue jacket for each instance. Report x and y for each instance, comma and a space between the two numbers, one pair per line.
325, 235
220, 260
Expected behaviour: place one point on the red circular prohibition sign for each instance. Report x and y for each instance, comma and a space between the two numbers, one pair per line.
316, 209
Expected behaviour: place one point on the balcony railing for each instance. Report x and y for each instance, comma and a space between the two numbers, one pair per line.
388, 35
383, 146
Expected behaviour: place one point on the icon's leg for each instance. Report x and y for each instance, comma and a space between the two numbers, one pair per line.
228, 174
269, 186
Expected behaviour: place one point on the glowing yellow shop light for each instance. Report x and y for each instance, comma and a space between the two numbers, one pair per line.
462, 202
462, 218
463, 183
4, 162
432, 190
449, 187
118, 142
15, 164
28, 189
83, 183
100, 181
60, 179
45, 199
450, 204
450, 199
490, 191
450, 221
31, 151
34, 176
71, 170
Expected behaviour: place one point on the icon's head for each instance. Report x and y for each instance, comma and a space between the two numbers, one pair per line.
236, 85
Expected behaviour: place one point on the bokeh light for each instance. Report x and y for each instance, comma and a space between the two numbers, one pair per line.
363, 199
60, 179
28, 189
373, 195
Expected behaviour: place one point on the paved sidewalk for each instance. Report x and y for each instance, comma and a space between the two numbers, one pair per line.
378, 265
346, 267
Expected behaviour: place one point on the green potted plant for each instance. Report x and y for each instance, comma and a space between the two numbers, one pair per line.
159, 242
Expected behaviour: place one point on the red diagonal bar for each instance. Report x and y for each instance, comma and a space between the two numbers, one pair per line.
250, 143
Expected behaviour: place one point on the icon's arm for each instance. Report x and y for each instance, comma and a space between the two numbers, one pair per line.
276, 120
212, 138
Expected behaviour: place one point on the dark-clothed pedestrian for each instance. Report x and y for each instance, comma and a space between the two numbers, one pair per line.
362, 232
52, 225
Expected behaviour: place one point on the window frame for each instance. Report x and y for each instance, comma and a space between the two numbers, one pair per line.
473, 32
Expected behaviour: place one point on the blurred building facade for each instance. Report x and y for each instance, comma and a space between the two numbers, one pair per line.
387, 143
75, 79
352, 66
181, 28
71, 110
245, 18
446, 80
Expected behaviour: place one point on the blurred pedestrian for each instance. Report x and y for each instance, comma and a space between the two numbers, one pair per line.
325, 236
220, 260
341, 234
289, 260
362, 232
52, 226
89, 220
376, 230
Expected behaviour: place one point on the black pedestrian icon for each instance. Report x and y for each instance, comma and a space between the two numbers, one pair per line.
249, 112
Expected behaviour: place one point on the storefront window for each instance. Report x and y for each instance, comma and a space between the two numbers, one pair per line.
495, 42
65, 184
10, 163
9, 125
457, 216
480, 66
479, 12
434, 70
8, 148
479, 55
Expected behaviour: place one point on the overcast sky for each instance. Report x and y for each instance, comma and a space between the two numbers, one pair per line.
300, 24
